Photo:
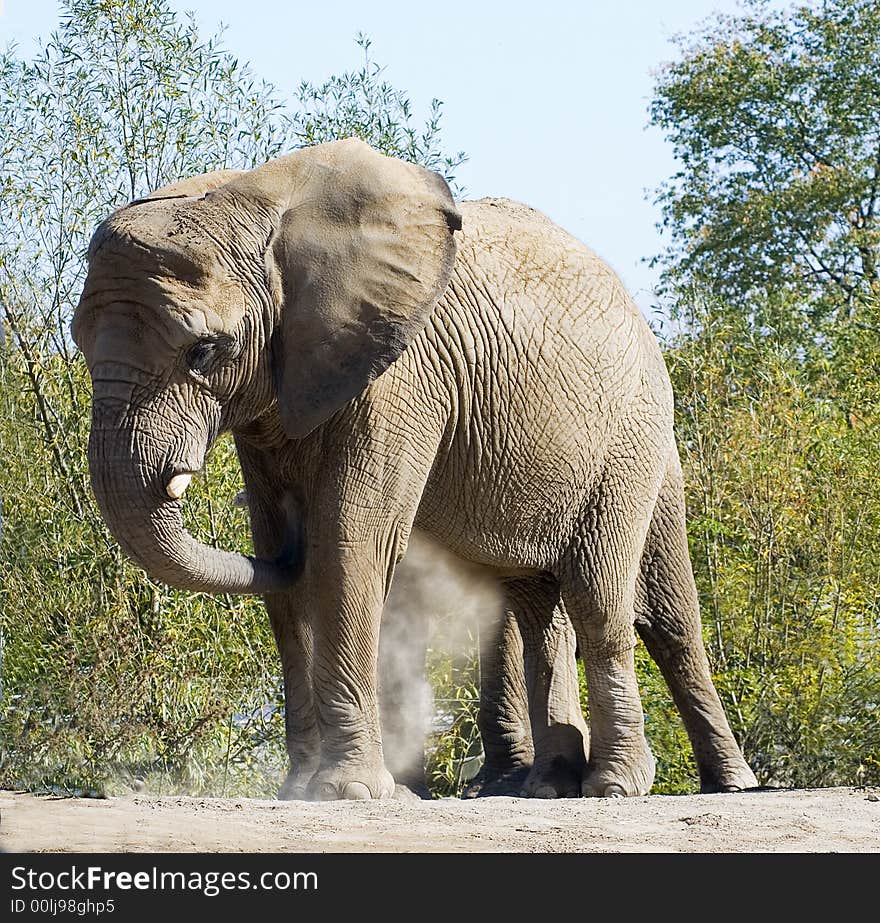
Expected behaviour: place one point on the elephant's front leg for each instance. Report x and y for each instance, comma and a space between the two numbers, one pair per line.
288, 615
351, 584
362, 504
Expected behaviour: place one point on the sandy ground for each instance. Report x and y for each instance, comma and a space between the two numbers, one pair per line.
826, 820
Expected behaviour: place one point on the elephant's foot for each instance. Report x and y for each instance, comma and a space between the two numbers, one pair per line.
558, 777
410, 793
497, 781
560, 762
410, 785
294, 787
732, 776
351, 782
620, 778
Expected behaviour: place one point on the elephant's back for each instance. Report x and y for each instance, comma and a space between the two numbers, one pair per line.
534, 273
528, 286
522, 238
552, 366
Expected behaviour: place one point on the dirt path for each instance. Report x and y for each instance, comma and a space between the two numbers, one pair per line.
826, 820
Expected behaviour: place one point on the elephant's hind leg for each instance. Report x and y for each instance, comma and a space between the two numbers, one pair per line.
503, 717
668, 621
559, 732
598, 586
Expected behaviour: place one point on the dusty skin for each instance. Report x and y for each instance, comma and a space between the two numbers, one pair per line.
821, 820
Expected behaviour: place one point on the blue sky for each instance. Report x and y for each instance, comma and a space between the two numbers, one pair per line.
549, 99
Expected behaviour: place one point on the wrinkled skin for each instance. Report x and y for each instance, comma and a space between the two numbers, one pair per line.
386, 359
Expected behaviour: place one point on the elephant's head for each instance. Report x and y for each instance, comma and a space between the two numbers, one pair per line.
212, 301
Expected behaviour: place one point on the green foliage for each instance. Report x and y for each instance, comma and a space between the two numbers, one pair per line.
676, 772
121, 100
107, 677
773, 116
784, 523
773, 284
454, 750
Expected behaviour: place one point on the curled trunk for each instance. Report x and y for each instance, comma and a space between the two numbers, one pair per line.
149, 527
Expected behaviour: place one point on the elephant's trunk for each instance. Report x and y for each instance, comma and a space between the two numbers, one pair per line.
147, 524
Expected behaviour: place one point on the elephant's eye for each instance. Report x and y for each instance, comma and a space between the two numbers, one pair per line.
204, 356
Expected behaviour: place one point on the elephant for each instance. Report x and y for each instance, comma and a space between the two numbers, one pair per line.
389, 359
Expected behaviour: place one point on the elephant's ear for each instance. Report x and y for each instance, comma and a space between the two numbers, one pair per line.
363, 251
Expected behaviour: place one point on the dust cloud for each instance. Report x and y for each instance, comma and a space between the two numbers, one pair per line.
436, 599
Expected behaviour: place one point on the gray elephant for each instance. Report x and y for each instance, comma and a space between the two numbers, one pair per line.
387, 359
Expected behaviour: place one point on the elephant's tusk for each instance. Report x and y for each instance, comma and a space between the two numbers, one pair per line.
177, 486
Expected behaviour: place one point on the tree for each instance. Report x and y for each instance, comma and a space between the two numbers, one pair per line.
772, 273
783, 522
121, 99
775, 121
